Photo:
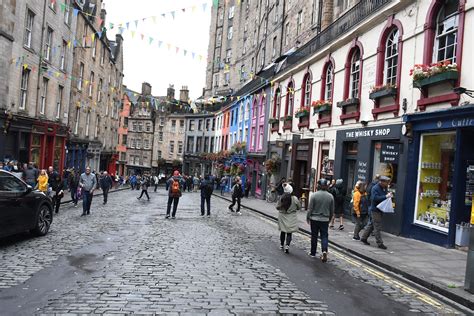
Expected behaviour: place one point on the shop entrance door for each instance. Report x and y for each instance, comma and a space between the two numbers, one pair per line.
300, 176
350, 173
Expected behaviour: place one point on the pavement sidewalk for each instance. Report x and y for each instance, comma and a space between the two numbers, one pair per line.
439, 269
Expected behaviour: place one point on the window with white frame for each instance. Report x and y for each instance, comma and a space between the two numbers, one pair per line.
96, 129
180, 147
62, 62
219, 37
146, 144
84, 35
91, 84
30, 19
274, 46
299, 23
67, 12
44, 95
447, 32
88, 122
276, 15
139, 143
329, 83
242, 73
59, 101
102, 57
76, 123
391, 57
314, 12
216, 80
228, 56
355, 74
81, 77
229, 32
48, 44
287, 33
226, 78
171, 146
94, 49
25, 77
160, 136
231, 12
277, 103
99, 91
307, 90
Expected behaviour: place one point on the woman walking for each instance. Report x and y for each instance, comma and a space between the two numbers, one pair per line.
43, 181
287, 206
360, 209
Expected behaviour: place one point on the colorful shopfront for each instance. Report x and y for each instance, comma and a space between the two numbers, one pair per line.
441, 158
47, 145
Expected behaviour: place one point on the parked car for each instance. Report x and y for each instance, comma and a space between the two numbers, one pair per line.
22, 208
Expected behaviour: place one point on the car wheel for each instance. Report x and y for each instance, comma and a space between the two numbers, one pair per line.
43, 220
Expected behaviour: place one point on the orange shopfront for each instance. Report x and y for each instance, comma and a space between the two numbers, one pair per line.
47, 145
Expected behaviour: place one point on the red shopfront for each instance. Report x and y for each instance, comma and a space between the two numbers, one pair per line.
47, 145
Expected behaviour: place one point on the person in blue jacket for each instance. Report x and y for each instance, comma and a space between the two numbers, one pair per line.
378, 195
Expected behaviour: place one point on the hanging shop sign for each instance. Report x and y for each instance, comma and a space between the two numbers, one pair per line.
390, 153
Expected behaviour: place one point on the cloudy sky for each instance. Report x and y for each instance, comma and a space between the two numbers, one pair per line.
157, 64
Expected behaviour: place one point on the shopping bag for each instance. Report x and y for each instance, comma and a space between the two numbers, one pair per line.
386, 206
79, 193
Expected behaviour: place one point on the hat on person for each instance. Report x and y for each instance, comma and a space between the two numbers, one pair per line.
288, 189
176, 173
384, 178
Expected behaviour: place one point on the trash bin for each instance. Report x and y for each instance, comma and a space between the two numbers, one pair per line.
462, 235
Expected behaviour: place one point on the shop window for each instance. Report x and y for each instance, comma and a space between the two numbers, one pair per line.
351, 148
388, 169
435, 172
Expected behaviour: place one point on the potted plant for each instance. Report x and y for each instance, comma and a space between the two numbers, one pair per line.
272, 165
302, 112
382, 91
273, 120
321, 106
287, 118
426, 75
348, 102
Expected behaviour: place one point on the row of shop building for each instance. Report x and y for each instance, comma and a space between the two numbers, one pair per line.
381, 92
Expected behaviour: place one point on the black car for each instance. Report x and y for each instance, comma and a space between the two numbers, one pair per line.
22, 208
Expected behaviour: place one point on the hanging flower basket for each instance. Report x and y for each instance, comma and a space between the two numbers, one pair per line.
272, 165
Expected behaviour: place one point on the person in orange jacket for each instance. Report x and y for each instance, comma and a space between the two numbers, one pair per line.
360, 208
43, 181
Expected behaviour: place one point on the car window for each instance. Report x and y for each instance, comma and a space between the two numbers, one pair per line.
10, 183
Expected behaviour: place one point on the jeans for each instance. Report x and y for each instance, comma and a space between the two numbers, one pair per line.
375, 226
319, 228
105, 191
74, 195
156, 186
86, 202
234, 200
360, 224
207, 200
288, 238
174, 201
144, 192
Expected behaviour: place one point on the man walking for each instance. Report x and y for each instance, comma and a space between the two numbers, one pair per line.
156, 181
175, 185
73, 184
105, 185
236, 195
378, 195
56, 185
206, 192
320, 211
88, 183
144, 183
30, 175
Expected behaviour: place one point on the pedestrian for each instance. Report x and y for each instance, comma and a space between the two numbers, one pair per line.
30, 175
175, 185
56, 187
144, 183
320, 212
360, 208
206, 192
156, 181
378, 195
339, 192
73, 184
223, 184
133, 181
88, 183
189, 183
42, 182
279, 187
248, 186
287, 207
196, 183
236, 195
105, 182
369, 192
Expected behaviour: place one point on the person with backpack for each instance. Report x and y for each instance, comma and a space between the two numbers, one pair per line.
236, 195
144, 184
175, 185
339, 192
206, 192
287, 205
360, 208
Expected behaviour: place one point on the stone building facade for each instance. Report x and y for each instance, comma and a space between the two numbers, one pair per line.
247, 36
123, 133
96, 93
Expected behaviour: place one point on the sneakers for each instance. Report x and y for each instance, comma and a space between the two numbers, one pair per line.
231, 209
173, 217
341, 227
83, 214
287, 249
311, 255
281, 247
202, 214
365, 242
324, 257
238, 213
382, 246
167, 216
356, 238
208, 215
331, 226
138, 198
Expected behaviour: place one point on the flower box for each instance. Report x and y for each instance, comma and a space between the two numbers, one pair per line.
287, 118
348, 102
302, 114
273, 121
322, 109
387, 92
436, 79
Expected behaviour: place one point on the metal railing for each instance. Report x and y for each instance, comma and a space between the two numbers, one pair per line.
342, 25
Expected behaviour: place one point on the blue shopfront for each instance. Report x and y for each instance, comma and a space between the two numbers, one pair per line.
76, 155
441, 159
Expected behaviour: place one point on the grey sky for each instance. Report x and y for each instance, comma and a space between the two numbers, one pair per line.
161, 66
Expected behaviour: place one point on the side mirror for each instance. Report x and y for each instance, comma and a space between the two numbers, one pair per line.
29, 188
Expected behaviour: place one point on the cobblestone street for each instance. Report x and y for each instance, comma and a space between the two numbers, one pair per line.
126, 258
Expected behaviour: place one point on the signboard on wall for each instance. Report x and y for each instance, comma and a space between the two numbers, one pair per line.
390, 153
362, 170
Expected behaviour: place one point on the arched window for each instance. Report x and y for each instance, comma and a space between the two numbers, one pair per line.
241, 116
290, 99
391, 57
262, 106
355, 73
254, 108
276, 103
446, 40
247, 110
306, 90
328, 82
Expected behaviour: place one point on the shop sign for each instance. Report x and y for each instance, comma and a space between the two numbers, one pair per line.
369, 133
280, 144
362, 167
390, 153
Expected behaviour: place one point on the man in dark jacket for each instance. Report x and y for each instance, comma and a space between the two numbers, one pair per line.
175, 187
73, 184
236, 195
378, 195
206, 193
54, 180
30, 175
105, 182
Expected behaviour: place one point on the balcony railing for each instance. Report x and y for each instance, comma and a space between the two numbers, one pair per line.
342, 25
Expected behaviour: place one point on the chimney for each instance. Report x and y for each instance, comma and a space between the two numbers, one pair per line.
328, 13
146, 89
184, 94
170, 92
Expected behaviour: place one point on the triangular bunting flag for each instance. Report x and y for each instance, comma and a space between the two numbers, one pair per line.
185, 52
127, 24
136, 23
154, 19
160, 43
172, 14
142, 36
133, 34
150, 40
111, 26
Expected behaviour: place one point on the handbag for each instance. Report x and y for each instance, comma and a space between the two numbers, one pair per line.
79, 193
386, 206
